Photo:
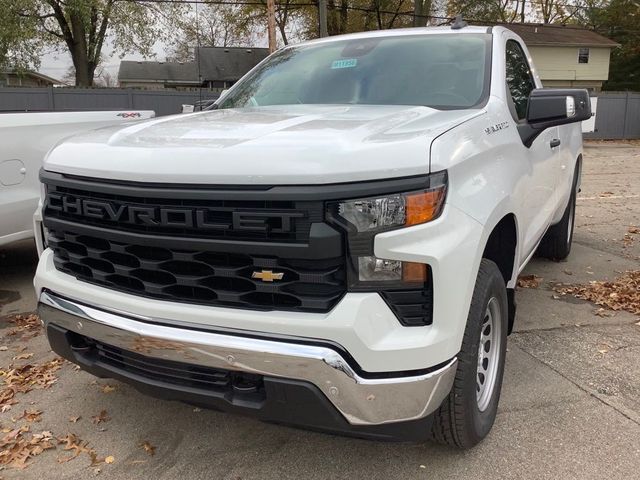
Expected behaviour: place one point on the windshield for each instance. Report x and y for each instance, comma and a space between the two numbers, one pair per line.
441, 71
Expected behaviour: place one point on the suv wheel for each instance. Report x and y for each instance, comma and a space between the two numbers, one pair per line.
556, 243
467, 414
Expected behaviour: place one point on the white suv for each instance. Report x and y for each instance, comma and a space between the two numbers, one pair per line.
334, 245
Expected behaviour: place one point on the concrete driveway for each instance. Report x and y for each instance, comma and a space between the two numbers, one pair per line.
570, 406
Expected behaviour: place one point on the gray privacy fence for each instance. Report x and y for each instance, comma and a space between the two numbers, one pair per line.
48, 99
617, 116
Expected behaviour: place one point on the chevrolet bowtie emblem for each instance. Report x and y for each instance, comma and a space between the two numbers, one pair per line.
267, 275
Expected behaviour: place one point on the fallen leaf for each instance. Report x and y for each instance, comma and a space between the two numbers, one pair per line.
108, 388
31, 416
16, 447
74, 419
568, 272
101, 417
109, 459
529, 281
621, 294
24, 378
76, 446
150, 449
23, 356
27, 326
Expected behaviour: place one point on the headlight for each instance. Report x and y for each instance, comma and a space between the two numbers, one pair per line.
396, 210
363, 218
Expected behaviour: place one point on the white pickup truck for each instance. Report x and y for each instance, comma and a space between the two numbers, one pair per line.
26, 138
334, 245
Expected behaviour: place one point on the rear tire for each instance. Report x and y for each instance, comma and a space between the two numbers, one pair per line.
469, 411
556, 243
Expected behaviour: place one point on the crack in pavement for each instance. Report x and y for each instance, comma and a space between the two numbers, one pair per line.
625, 412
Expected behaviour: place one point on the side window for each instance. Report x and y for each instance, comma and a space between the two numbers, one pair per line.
519, 79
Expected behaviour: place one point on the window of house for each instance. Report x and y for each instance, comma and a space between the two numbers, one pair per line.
519, 78
583, 55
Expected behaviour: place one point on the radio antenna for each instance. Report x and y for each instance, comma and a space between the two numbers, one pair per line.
197, 54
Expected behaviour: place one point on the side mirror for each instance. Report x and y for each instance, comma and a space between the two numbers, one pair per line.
549, 107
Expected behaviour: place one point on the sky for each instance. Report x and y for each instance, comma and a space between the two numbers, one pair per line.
57, 64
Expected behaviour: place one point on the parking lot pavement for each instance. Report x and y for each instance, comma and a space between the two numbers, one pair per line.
570, 406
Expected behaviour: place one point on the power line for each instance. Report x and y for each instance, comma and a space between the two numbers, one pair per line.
381, 12
346, 7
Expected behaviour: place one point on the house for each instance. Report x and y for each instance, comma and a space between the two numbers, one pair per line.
25, 78
214, 68
158, 75
567, 56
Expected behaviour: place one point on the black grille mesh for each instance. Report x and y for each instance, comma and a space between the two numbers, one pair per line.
201, 277
179, 373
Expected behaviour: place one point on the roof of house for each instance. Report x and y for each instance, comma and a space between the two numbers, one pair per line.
215, 64
228, 63
165, 72
559, 35
31, 73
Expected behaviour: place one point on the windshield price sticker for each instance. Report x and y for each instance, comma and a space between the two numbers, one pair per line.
346, 63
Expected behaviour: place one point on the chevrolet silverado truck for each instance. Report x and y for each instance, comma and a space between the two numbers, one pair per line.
334, 245
26, 138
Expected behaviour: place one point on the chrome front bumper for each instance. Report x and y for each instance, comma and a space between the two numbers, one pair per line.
362, 401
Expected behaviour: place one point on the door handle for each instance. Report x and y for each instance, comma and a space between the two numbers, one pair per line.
554, 143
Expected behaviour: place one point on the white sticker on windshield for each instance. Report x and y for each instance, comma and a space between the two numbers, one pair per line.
346, 63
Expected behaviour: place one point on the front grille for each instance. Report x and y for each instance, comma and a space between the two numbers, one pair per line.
178, 373
200, 276
251, 220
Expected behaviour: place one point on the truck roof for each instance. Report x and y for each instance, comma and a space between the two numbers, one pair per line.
397, 32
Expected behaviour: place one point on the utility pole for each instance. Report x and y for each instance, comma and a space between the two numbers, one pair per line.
322, 16
271, 24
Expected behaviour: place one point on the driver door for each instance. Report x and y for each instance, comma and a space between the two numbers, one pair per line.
537, 197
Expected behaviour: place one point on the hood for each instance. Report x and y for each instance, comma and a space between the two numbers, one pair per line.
300, 144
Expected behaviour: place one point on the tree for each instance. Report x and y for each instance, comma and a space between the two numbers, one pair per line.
421, 11
82, 27
619, 20
212, 26
488, 10
293, 19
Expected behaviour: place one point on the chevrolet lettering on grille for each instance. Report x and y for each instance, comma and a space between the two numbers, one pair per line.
172, 217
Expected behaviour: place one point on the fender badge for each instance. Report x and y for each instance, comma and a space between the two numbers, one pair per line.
496, 128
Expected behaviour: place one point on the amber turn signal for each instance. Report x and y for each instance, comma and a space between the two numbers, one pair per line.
414, 272
423, 207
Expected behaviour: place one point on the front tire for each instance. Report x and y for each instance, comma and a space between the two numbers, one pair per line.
469, 411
